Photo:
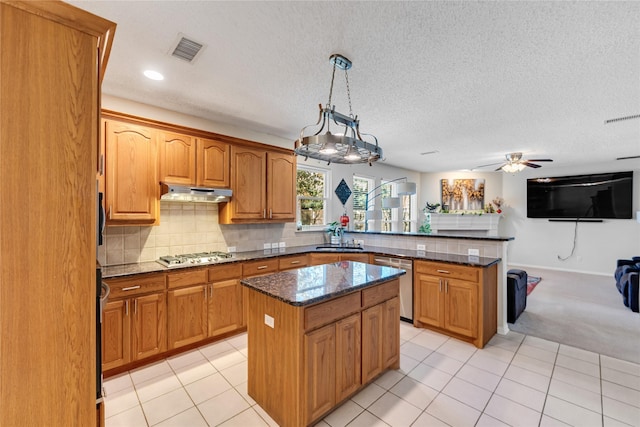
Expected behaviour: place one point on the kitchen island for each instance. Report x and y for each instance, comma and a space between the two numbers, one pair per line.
317, 335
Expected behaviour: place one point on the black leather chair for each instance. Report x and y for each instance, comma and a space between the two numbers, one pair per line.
516, 294
626, 275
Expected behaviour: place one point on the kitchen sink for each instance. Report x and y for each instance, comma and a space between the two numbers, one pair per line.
344, 247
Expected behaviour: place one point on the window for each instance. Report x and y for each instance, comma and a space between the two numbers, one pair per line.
313, 196
402, 218
361, 187
408, 213
389, 215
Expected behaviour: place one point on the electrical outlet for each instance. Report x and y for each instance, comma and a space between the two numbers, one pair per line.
474, 252
282, 245
421, 247
231, 249
274, 245
268, 320
266, 246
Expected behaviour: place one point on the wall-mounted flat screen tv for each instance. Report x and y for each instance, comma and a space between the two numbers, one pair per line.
597, 196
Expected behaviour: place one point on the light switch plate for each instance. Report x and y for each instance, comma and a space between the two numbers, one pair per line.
282, 244
474, 252
421, 247
267, 246
274, 245
231, 249
269, 321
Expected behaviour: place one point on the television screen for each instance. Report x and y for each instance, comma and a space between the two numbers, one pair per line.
597, 196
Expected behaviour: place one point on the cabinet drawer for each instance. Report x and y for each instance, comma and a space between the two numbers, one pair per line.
187, 278
290, 262
225, 272
330, 311
256, 268
136, 285
447, 270
377, 294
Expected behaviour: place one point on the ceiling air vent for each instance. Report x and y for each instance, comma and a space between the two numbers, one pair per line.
186, 49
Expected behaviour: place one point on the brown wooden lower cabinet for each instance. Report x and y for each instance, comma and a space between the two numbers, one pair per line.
457, 300
314, 357
134, 321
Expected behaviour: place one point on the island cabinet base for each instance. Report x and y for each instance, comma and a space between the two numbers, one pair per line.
306, 360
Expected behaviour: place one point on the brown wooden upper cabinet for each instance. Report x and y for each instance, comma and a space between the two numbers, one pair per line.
131, 174
194, 161
264, 187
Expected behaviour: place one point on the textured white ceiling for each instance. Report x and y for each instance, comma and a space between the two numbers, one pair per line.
470, 80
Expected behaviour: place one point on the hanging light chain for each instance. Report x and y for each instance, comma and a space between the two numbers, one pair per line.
333, 76
346, 77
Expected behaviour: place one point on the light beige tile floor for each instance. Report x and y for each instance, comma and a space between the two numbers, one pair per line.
515, 380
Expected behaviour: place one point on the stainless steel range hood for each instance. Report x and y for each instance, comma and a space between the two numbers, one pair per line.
184, 193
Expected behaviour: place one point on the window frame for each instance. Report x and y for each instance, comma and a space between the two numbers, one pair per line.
326, 198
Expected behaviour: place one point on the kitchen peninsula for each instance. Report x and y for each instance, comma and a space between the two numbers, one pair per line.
317, 335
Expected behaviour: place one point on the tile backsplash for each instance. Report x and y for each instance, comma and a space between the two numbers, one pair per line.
193, 227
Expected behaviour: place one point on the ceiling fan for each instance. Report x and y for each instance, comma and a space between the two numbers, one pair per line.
515, 163
618, 119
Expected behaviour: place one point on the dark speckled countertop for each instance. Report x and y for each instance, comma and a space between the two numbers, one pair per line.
153, 267
309, 285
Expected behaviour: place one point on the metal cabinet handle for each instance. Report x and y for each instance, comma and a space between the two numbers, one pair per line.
135, 306
440, 285
210, 291
446, 286
295, 262
131, 288
443, 272
110, 210
262, 267
264, 213
126, 308
270, 213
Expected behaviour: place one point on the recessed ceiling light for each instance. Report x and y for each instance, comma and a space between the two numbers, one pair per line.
153, 75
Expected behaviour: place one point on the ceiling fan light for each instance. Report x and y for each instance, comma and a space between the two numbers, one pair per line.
513, 167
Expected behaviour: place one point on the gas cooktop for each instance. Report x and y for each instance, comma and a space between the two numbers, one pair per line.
199, 258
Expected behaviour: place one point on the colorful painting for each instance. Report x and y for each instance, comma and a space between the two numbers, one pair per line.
462, 194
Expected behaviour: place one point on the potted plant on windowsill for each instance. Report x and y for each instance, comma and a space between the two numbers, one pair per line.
335, 231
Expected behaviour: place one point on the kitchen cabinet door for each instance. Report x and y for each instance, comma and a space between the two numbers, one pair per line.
248, 181
213, 161
320, 371
187, 314
281, 186
131, 174
429, 303
177, 158
461, 307
149, 325
348, 356
372, 330
225, 307
116, 334
391, 333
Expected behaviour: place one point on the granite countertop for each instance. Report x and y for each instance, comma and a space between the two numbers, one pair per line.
309, 285
154, 267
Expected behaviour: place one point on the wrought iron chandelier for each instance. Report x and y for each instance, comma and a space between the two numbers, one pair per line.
346, 146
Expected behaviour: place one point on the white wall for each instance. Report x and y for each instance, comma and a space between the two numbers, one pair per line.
539, 242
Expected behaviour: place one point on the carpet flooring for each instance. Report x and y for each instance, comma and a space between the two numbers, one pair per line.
580, 310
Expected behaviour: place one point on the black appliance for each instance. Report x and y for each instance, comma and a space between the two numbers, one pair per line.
595, 196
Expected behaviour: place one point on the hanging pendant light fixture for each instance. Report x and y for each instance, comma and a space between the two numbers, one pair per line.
345, 146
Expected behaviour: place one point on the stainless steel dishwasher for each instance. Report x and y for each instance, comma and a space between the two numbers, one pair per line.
406, 283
